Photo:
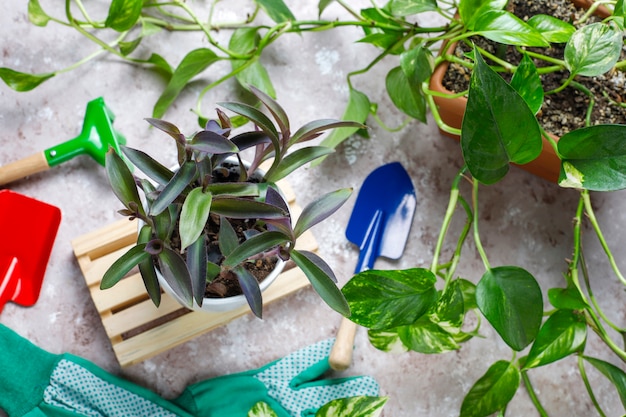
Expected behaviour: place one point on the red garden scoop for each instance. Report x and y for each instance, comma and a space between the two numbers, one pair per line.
29, 228
95, 139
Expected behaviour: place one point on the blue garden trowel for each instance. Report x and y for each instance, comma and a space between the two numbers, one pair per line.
379, 225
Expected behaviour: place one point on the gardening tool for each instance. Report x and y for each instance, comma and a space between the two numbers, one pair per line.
94, 140
29, 228
379, 225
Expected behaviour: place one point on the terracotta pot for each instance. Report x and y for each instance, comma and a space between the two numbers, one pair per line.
451, 110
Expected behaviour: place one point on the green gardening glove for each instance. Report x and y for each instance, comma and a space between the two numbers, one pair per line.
36, 383
292, 386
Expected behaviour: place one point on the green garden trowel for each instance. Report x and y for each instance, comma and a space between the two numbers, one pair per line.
95, 140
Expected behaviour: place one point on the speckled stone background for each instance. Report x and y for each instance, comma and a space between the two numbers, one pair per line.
524, 220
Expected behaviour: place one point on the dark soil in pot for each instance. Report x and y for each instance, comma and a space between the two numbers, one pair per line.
566, 110
226, 284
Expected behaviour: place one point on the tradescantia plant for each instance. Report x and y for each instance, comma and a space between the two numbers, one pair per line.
426, 310
178, 206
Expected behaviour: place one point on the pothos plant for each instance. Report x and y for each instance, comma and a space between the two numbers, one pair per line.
426, 309
403, 33
361, 406
182, 209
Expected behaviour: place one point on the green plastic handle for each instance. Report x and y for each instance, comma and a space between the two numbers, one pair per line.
95, 139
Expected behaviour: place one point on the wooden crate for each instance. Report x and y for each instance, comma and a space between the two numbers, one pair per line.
137, 329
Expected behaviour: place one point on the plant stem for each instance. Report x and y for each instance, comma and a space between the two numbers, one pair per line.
434, 111
383, 125
215, 83
456, 257
83, 11
559, 63
479, 245
592, 100
533, 395
562, 86
454, 195
572, 273
550, 139
348, 9
583, 374
600, 312
596, 227
207, 32
620, 66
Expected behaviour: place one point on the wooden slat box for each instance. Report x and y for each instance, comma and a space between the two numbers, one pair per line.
137, 329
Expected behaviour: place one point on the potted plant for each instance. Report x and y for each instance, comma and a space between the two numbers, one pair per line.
554, 69
426, 310
214, 221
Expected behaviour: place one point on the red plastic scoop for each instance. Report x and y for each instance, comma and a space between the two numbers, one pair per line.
29, 228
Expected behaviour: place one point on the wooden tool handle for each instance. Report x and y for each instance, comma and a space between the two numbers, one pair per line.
340, 357
23, 168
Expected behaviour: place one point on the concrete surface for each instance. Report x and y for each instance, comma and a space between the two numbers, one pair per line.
525, 220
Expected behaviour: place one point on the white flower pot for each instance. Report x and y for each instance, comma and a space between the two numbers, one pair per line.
214, 305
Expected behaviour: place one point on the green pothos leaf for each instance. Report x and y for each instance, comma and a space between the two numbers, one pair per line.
504, 27
250, 72
382, 300
619, 10
553, 29
262, 409
424, 336
277, 10
527, 83
387, 340
36, 14
360, 406
147, 29
566, 298
594, 158
561, 335
191, 65
498, 126
403, 8
450, 309
510, 299
470, 10
405, 96
613, 374
21, 81
123, 14
493, 391
593, 49
323, 4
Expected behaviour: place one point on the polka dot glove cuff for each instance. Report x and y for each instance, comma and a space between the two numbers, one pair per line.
293, 386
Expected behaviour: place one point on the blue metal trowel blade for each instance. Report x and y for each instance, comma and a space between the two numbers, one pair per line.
383, 212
